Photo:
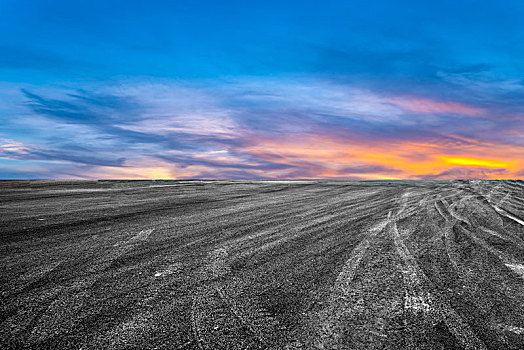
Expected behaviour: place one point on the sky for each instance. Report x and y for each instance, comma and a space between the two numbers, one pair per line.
261, 89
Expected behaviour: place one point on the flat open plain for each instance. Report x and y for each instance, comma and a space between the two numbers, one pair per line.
262, 265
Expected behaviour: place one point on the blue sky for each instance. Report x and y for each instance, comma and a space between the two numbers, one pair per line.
236, 89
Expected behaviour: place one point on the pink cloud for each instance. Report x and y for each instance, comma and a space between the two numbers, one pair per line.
423, 105
12, 147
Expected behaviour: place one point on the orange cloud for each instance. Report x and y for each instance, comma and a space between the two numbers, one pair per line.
327, 157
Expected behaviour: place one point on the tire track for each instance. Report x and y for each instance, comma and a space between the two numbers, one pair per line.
505, 258
270, 266
195, 329
420, 299
497, 205
448, 234
330, 323
508, 215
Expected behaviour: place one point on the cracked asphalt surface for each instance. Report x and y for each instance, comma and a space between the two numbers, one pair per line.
262, 264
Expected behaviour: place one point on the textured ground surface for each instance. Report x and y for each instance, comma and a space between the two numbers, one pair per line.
239, 265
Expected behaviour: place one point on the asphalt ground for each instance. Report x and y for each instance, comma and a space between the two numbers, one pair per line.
262, 264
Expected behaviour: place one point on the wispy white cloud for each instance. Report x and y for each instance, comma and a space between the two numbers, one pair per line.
249, 127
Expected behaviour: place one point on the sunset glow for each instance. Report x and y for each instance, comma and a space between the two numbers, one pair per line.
244, 91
